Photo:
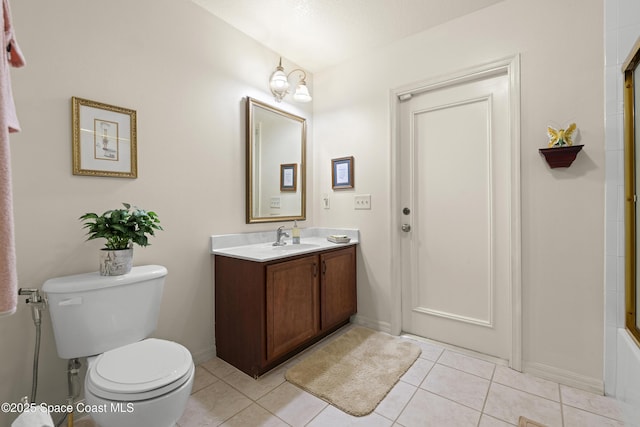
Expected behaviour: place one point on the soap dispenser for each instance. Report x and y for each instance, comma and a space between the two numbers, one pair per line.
295, 233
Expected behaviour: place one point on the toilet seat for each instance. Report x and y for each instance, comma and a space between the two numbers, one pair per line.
140, 371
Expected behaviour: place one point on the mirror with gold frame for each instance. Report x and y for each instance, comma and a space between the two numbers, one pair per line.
632, 184
276, 146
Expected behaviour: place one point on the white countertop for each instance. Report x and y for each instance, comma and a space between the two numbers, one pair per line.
259, 246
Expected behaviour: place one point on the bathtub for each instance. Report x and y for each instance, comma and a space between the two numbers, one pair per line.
628, 376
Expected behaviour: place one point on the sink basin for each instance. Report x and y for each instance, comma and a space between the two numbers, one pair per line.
292, 247
259, 246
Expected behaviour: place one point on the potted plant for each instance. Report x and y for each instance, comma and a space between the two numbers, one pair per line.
121, 228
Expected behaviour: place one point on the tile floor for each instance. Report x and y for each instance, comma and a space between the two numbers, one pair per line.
443, 388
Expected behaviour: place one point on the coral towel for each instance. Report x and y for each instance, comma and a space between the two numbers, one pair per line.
10, 55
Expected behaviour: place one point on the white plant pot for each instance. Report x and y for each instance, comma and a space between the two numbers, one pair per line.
115, 262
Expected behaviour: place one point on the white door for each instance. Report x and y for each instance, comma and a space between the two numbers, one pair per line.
456, 189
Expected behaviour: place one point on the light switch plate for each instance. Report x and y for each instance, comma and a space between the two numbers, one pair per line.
325, 201
362, 201
275, 203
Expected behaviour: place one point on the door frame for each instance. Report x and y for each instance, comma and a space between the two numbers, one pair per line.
510, 65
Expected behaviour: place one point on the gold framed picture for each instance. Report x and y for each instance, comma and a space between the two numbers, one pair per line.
104, 139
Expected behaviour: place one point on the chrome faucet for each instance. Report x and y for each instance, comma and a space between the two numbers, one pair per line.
279, 233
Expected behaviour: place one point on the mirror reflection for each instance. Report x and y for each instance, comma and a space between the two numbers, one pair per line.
275, 164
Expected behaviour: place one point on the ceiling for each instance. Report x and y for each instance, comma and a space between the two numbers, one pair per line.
316, 34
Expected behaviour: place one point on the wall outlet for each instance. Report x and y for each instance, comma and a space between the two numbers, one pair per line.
275, 203
325, 201
362, 201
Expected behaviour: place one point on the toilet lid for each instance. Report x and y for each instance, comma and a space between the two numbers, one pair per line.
142, 366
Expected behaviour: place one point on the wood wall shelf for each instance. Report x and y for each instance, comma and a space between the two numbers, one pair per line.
560, 157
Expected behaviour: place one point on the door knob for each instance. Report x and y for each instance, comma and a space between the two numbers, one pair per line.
406, 228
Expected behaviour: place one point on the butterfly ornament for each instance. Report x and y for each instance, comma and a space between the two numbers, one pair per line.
561, 137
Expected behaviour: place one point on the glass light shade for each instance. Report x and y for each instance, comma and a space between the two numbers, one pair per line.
279, 83
302, 93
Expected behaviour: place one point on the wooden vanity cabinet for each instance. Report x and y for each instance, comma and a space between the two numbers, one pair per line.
338, 299
292, 304
265, 312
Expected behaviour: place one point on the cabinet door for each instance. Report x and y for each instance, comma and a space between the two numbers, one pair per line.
292, 304
338, 286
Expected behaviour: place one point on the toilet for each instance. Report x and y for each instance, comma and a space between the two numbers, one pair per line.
132, 380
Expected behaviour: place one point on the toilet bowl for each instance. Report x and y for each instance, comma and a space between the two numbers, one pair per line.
132, 380
146, 383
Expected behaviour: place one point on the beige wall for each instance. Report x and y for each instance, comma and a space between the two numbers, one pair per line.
185, 73
562, 210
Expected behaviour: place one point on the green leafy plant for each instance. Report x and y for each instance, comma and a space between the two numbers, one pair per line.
122, 227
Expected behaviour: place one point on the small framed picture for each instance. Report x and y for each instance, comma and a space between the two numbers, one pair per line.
342, 173
104, 139
288, 177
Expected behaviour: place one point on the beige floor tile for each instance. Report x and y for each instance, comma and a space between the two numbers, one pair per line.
508, 404
574, 417
291, 404
526, 382
255, 389
417, 372
333, 417
429, 351
487, 421
441, 389
202, 379
425, 409
591, 402
213, 405
254, 416
461, 387
394, 402
218, 367
467, 364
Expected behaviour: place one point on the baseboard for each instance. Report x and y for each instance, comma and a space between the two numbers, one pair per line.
204, 355
371, 323
465, 351
562, 376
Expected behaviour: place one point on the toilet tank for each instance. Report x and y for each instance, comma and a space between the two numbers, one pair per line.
92, 314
